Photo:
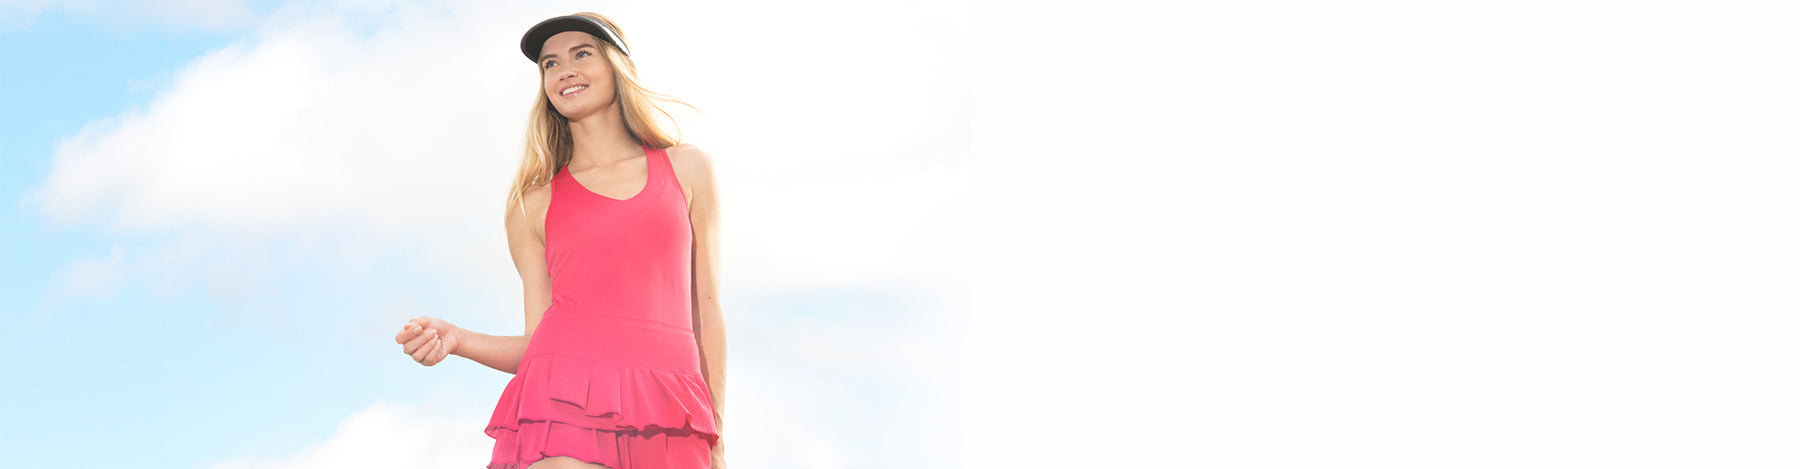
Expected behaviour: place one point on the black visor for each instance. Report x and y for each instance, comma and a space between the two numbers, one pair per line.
533, 42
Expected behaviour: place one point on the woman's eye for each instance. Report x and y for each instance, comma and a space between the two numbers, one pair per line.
549, 64
583, 54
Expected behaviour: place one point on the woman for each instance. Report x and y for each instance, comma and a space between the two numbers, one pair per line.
614, 230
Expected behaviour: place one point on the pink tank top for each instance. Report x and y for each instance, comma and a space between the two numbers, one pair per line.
631, 258
615, 350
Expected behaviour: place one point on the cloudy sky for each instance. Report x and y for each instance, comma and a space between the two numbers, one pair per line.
224, 210
1232, 234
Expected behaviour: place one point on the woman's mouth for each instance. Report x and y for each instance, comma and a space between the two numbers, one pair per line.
573, 90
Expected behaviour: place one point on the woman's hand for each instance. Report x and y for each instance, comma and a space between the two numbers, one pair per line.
427, 340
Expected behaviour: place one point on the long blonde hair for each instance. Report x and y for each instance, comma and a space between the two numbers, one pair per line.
548, 144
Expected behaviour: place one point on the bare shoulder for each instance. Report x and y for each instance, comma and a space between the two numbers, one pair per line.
693, 169
690, 159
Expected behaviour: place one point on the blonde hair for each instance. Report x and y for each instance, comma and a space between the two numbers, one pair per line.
548, 144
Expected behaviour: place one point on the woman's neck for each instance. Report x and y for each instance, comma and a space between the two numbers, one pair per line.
600, 139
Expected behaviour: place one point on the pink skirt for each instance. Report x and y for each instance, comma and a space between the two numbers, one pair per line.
622, 416
602, 389
661, 449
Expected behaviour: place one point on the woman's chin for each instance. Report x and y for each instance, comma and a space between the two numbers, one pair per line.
576, 112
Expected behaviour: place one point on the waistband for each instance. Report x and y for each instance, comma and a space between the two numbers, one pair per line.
616, 339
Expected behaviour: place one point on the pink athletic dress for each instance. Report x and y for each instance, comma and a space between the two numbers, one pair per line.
612, 373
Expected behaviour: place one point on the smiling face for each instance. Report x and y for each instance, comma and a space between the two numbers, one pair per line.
577, 78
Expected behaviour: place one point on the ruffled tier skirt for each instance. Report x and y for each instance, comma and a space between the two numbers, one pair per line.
610, 400
615, 449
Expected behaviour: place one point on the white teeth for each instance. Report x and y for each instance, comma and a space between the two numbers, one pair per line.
572, 89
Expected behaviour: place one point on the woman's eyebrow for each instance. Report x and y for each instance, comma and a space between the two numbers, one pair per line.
571, 50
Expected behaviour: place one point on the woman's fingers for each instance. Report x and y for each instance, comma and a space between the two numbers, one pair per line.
424, 346
412, 328
423, 339
431, 352
437, 352
412, 343
407, 333
440, 351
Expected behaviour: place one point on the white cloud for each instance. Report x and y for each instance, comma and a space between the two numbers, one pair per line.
775, 418
425, 435
404, 120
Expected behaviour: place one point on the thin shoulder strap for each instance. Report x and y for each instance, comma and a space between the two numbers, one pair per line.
665, 166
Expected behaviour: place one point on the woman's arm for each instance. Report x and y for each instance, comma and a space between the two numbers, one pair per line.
523, 238
500, 352
709, 320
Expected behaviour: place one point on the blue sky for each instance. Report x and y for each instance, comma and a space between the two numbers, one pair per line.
221, 319
117, 70
152, 363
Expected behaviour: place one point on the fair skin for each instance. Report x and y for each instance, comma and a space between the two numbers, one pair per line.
607, 161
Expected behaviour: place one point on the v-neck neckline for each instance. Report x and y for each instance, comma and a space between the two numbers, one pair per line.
649, 178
